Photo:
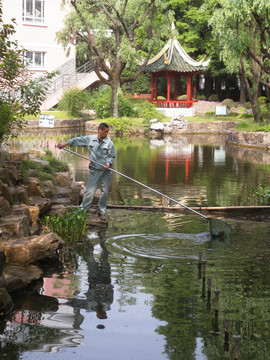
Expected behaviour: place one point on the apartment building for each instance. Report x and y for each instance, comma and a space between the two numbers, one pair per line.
37, 22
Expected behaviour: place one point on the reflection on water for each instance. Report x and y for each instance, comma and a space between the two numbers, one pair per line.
137, 290
138, 293
195, 170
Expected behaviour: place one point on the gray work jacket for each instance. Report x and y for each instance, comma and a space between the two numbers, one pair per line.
101, 152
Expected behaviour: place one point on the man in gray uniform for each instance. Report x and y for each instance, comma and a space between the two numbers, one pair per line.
100, 149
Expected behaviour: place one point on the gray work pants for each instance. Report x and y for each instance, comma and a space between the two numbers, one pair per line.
96, 177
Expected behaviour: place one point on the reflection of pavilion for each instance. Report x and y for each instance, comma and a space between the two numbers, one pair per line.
173, 155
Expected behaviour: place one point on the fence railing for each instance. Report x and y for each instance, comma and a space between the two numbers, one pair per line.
66, 81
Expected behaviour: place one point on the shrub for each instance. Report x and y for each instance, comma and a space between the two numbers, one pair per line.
142, 84
147, 111
101, 103
228, 102
119, 124
201, 97
210, 114
74, 101
213, 97
248, 105
262, 100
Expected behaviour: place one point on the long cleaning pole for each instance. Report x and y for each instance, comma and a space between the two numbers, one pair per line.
138, 182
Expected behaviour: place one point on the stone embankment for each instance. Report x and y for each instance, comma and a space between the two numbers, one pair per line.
178, 125
23, 244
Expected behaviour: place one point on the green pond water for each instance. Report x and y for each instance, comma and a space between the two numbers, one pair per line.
136, 289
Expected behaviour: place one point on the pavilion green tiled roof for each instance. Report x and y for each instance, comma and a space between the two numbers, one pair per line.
174, 58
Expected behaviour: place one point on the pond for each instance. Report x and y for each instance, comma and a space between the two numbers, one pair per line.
156, 285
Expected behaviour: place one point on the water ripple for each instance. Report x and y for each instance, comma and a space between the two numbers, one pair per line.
159, 246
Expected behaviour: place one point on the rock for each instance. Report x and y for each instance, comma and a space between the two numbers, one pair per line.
21, 195
18, 277
75, 193
14, 225
7, 193
159, 126
43, 204
21, 210
19, 156
4, 176
63, 179
2, 262
49, 188
37, 152
34, 214
4, 156
35, 187
13, 174
6, 302
4, 205
29, 250
61, 192
152, 121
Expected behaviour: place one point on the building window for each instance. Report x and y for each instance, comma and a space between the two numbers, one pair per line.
33, 11
34, 59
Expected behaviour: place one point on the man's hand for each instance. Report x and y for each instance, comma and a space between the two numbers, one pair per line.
107, 165
61, 145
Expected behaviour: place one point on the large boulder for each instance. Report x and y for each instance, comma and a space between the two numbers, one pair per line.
6, 302
18, 277
63, 179
31, 249
12, 226
35, 187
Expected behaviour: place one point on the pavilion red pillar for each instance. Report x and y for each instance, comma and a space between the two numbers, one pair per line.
175, 87
156, 87
168, 89
152, 87
189, 90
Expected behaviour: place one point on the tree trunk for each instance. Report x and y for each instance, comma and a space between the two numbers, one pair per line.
252, 92
115, 98
242, 91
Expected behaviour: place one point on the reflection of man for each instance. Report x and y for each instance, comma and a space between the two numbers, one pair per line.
99, 296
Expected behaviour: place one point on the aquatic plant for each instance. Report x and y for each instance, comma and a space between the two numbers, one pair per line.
70, 226
262, 194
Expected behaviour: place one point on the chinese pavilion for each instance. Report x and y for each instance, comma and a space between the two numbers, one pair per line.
172, 62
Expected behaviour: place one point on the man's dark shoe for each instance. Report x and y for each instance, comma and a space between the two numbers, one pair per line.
103, 217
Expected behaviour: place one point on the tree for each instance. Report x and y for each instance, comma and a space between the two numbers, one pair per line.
117, 35
19, 95
243, 31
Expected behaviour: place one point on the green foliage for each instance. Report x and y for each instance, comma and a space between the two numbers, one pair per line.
262, 100
70, 227
200, 97
119, 124
125, 32
30, 168
101, 103
148, 111
74, 101
142, 84
228, 102
261, 195
213, 97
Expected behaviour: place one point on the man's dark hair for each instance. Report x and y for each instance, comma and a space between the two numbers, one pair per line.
103, 126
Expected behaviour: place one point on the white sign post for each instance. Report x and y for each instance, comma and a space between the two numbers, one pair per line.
46, 120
